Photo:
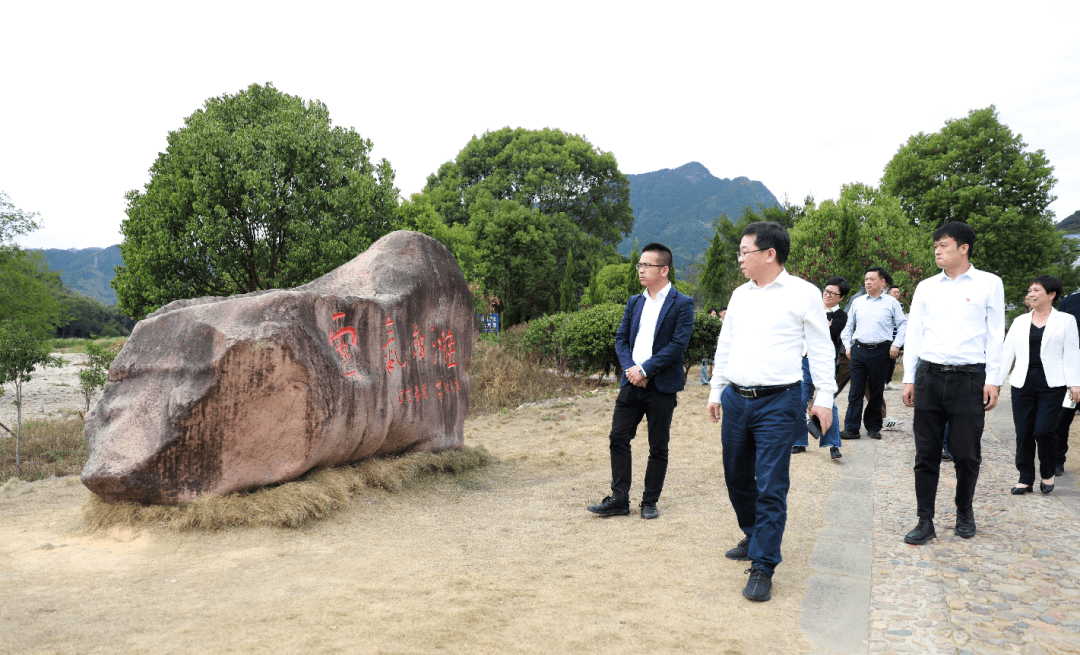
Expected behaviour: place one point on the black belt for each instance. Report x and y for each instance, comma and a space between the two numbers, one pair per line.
761, 392
957, 368
872, 346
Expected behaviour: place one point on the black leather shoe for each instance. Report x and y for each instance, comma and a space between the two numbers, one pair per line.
849, 435
965, 523
740, 552
759, 586
1020, 491
611, 507
922, 533
795, 450
1060, 470
946, 456
649, 511
874, 435
834, 452
1045, 488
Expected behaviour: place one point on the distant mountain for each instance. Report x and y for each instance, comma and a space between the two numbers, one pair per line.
677, 206
88, 271
1070, 222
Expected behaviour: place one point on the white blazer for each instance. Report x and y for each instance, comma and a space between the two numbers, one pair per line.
1060, 351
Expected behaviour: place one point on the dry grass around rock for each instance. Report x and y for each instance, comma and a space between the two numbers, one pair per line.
502, 377
291, 504
47, 448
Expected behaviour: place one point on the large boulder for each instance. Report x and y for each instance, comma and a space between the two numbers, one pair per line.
216, 395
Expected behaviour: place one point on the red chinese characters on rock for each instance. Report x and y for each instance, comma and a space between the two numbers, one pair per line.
390, 351
340, 340
443, 357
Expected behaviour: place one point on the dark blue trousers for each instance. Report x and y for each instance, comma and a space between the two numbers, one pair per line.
756, 436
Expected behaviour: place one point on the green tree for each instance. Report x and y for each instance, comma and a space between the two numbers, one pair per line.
21, 352
567, 288
98, 360
595, 294
582, 197
977, 171
518, 250
864, 227
633, 283
256, 191
28, 289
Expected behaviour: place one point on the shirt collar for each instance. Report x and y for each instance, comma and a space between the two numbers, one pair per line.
661, 295
782, 279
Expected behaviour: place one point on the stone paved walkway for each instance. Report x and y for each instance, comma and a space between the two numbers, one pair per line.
1013, 588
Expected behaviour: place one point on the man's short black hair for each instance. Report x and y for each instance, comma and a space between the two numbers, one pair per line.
768, 234
840, 283
882, 273
961, 233
712, 309
665, 252
1051, 284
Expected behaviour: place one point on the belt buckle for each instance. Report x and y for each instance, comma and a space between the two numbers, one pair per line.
948, 368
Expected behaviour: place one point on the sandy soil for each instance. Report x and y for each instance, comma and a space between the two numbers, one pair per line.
505, 559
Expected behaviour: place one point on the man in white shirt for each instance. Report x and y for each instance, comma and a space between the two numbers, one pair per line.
870, 346
654, 333
952, 361
757, 379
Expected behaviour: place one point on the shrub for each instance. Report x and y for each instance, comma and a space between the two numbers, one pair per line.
588, 338
702, 340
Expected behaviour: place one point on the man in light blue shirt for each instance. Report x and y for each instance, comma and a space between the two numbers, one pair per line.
868, 338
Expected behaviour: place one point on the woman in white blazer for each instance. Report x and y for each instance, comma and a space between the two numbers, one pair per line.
1044, 345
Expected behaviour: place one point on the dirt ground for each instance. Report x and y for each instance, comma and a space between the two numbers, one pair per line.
504, 559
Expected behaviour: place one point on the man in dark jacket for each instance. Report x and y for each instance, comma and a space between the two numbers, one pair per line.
650, 342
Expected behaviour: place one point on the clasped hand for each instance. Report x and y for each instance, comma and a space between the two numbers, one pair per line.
636, 376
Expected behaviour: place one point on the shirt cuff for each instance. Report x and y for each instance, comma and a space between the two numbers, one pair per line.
714, 394
823, 399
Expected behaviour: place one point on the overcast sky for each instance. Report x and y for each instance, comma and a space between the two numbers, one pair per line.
802, 96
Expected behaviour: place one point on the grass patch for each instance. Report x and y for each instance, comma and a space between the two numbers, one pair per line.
47, 447
291, 504
79, 345
501, 377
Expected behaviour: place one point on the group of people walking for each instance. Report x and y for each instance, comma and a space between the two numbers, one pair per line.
784, 352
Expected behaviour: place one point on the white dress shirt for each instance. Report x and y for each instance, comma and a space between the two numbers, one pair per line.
761, 341
1059, 351
959, 321
650, 312
871, 320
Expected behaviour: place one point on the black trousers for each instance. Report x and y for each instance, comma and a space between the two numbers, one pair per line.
631, 406
953, 398
1036, 409
1065, 419
868, 368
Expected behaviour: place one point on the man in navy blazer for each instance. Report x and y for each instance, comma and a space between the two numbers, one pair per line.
650, 342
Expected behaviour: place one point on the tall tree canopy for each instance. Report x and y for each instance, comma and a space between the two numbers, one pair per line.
864, 227
256, 191
977, 171
514, 202
28, 289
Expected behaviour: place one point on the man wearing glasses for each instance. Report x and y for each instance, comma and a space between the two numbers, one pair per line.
654, 333
757, 379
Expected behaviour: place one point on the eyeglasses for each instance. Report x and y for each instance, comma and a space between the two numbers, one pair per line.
829, 293
643, 266
744, 253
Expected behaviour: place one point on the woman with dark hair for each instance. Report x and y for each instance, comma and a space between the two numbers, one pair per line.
1044, 345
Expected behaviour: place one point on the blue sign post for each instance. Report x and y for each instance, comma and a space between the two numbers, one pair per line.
489, 323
